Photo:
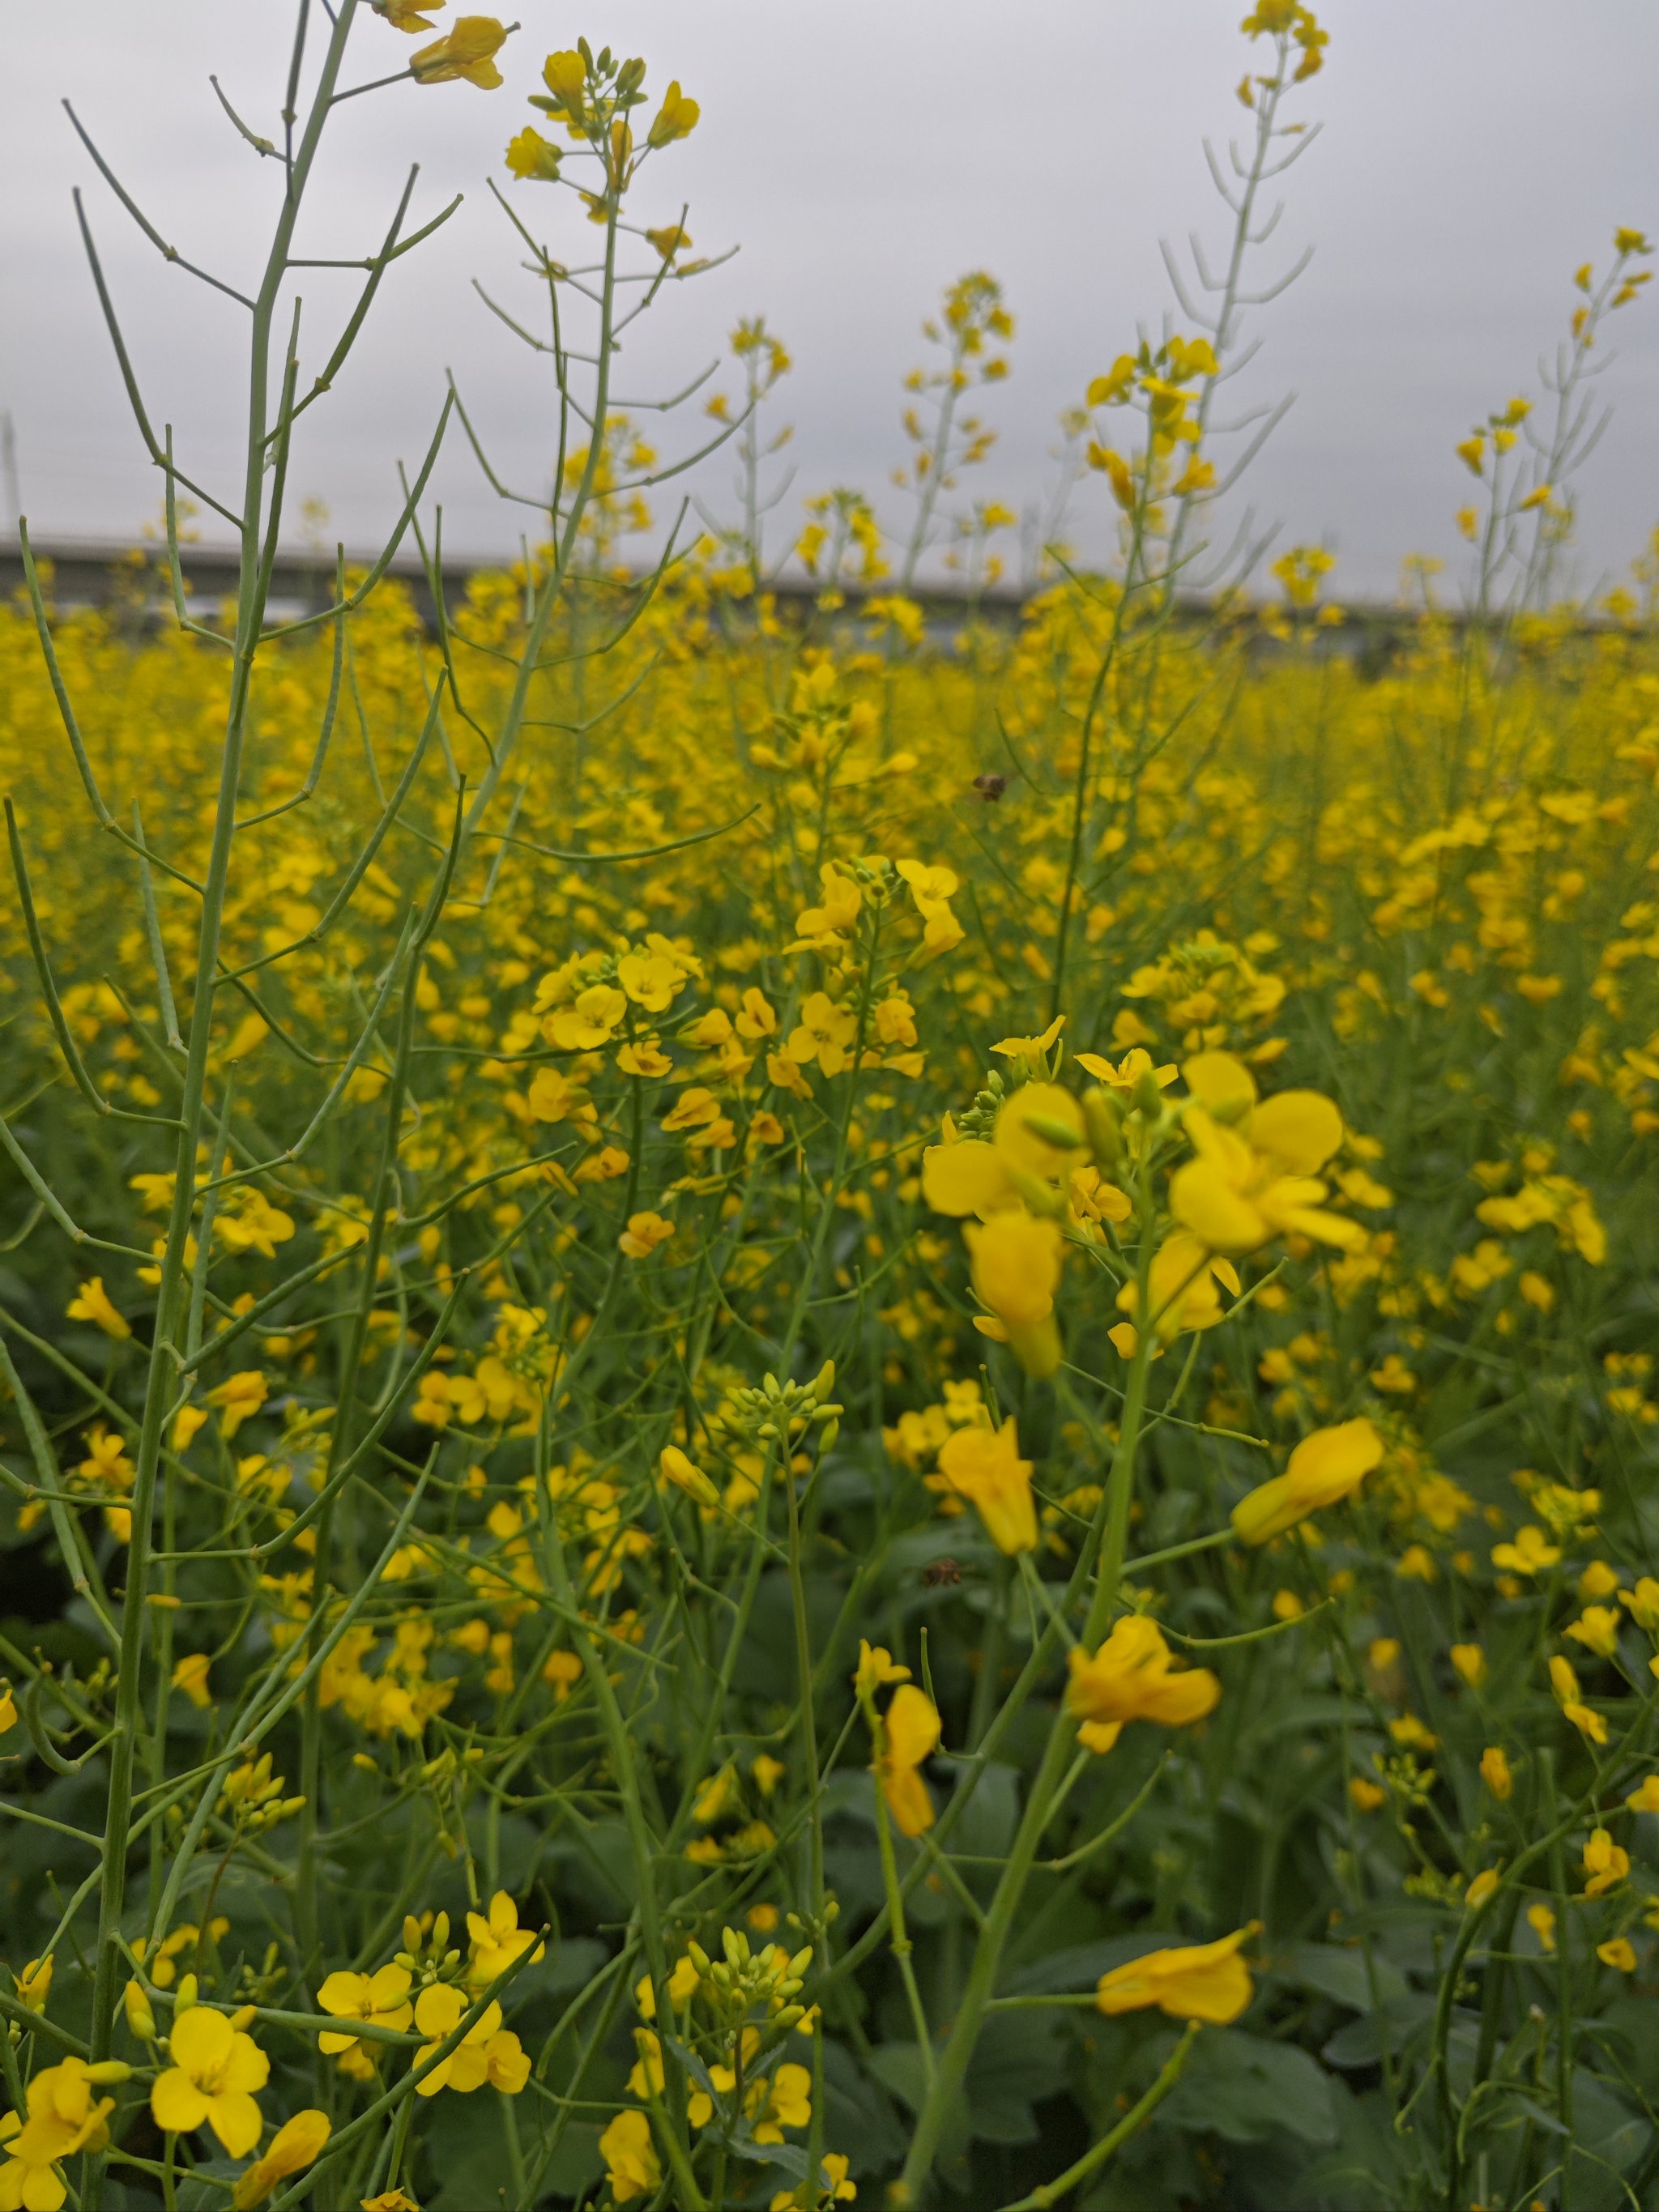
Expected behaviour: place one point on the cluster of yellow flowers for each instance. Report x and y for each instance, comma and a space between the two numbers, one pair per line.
1102, 1166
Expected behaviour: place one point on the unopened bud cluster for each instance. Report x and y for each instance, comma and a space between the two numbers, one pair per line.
786, 1411
745, 1979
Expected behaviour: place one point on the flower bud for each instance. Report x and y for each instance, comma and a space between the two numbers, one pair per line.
185, 1996
137, 2005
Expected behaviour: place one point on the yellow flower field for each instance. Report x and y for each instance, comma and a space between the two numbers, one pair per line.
802, 1404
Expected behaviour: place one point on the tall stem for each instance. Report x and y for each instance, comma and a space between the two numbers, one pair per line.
170, 1300
1040, 1801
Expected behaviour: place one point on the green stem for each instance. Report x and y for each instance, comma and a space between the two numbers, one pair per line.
1039, 1804
165, 1351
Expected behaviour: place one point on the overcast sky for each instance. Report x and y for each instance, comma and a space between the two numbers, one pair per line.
860, 154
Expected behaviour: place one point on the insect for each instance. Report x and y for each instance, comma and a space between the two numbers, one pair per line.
941, 1574
990, 787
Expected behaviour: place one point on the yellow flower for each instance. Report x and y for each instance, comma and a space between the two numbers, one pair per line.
910, 1734
236, 1398
530, 156
1495, 1772
1328, 1465
824, 1033
380, 1998
407, 14
1619, 1951
1014, 1260
1529, 1554
678, 1469
1646, 1799
833, 2185
876, 1667
1133, 1677
589, 1022
644, 1232
488, 2052
676, 118
933, 890
35, 1983
191, 1675
91, 1303
1541, 1921
1180, 1291
497, 1939
1037, 1133
1255, 1177
787, 2104
1113, 466
216, 2068
1470, 1661
646, 1060
1605, 1863
630, 2159
1126, 1075
839, 913
467, 51
1366, 1794
1481, 1887
1030, 1049
985, 1467
1564, 1683
1597, 1630
63, 2118
1198, 1981
294, 2147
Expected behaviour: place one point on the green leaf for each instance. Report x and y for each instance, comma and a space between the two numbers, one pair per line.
1338, 1972
1242, 2087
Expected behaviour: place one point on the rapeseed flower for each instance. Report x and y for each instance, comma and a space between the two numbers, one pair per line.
1134, 1677
295, 2145
984, 1466
1256, 1175
1325, 1467
1198, 1981
466, 52
215, 2069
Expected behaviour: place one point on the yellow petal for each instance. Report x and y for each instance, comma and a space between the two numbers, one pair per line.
913, 1726
200, 2041
966, 1178
236, 2120
1203, 1199
175, 2102
1298, 1130
1020, 1144
1220, 1082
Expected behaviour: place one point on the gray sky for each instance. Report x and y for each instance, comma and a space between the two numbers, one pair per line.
862, 154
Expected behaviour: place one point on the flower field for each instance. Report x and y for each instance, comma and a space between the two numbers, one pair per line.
806, 1404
